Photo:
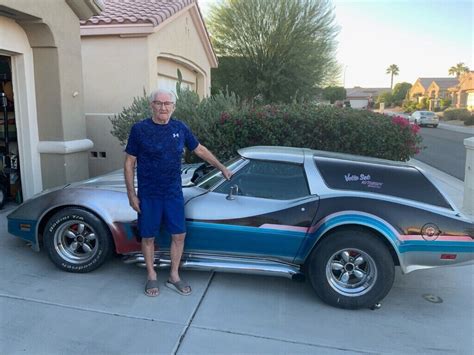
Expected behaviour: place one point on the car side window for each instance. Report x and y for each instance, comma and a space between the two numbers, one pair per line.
266, 179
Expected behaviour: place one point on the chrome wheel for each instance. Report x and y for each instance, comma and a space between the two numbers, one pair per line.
351, 272
75, 241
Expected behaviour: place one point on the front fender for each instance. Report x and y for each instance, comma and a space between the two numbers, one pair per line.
110, 206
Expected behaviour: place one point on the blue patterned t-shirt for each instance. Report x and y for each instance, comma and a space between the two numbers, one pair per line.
159, 149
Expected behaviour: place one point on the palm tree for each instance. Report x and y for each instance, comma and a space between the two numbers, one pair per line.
393, 70
458, 69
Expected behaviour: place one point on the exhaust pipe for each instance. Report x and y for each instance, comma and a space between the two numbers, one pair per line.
224, 264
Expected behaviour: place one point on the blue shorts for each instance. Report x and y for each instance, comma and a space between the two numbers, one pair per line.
158, 210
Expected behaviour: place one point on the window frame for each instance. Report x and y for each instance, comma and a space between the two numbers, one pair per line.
240, 162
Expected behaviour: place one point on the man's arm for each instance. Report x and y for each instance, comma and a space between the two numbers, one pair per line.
129, 171
203, 153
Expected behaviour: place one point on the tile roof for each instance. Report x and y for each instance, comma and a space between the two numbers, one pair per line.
137, 11
443, 83
365, 92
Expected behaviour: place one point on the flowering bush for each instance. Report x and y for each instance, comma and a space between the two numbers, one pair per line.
224, 124
317, 127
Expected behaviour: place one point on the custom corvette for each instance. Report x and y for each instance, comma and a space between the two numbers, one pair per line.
342, 221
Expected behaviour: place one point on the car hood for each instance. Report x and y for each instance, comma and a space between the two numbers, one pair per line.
115, 180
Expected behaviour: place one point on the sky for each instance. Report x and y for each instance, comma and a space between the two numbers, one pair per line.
423, 37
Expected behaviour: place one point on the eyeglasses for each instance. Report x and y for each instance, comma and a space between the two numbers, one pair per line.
166, 103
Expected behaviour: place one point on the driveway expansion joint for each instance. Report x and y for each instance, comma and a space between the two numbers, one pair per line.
321, 346
191, 318
84, 309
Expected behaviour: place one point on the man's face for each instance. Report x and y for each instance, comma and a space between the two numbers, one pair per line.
162, 107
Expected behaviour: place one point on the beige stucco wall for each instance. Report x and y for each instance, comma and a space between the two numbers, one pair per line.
14, 43
180, 42
417, 89
116, 69
98, 130
52, 29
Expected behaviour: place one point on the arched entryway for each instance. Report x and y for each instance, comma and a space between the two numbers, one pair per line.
16, 51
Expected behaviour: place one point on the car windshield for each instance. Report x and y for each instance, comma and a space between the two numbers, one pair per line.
211, 178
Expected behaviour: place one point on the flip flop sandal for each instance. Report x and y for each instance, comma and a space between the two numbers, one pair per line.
151, 284
179, 287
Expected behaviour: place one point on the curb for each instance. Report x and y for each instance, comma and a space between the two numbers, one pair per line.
460, 129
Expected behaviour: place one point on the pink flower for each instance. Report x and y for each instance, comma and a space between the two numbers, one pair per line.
224, 117
415, 129
398, 120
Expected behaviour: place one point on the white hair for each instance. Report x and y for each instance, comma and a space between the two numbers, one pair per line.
155, 92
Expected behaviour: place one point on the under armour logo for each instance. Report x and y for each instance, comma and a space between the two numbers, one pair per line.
175, 135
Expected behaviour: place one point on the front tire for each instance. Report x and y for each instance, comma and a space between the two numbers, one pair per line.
351, 268
77, 240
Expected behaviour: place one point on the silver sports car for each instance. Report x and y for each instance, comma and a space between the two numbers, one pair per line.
342, 221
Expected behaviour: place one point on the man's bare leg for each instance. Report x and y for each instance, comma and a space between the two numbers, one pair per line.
148, 250
177, 245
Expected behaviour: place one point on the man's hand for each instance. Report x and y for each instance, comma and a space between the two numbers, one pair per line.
203, 153
227, 173
134, 203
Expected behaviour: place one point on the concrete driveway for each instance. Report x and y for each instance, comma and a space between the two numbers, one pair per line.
46, 311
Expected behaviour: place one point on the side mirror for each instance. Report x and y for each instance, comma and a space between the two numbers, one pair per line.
234, 190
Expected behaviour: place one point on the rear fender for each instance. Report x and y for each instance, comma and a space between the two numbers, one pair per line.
351, 218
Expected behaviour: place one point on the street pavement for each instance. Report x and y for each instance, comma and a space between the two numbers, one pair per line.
444, 149
47, 311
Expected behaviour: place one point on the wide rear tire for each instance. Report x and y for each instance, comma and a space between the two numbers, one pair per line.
351, 268
76, 240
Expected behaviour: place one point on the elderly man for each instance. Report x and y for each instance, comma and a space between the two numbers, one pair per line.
156, 145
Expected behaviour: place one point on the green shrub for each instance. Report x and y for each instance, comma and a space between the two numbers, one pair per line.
409, 106
137, 111
469, 121
224, 124
457, 114
324, 128
444, 103
423, 104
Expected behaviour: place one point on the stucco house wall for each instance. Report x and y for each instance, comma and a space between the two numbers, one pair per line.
178, 43
43, 40
417, 90
463, 94
114, 72
121, 61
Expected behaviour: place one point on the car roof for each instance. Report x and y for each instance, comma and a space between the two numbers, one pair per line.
357, 158
296, 155
276, 153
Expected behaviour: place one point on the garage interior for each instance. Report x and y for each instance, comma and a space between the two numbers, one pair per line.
10, 177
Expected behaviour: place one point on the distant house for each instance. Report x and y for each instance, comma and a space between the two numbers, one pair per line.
361, 97
433, 89
420, 88
137, 45
462, 95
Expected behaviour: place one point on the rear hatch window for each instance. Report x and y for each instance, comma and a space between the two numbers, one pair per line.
395, 180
